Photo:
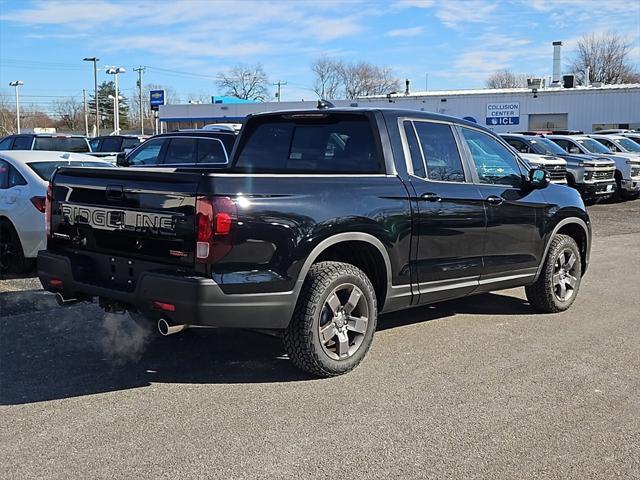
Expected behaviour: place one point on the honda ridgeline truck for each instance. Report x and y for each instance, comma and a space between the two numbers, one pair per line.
324, 219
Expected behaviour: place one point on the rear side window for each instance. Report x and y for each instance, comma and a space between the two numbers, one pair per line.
440, 152
4, 174
414, 150
130, 143
61, 144
210, 150
111, 144
180, 150
22, 143
325, 144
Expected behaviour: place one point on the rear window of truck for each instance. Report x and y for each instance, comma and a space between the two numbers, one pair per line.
310, 144
61, 144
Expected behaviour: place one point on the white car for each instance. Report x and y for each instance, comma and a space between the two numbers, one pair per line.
24, 178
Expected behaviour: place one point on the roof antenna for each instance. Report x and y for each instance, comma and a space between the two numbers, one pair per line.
324, 104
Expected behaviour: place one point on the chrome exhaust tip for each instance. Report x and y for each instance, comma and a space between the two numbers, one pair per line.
165, 328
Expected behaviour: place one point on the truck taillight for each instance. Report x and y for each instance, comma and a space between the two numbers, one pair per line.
47, 209
215, 217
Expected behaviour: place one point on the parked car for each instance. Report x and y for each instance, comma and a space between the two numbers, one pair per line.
591, 175
46, 141
107, 147
635, 136
24, 176
324, 218
618, 144
538, 156
188, 148
627, 166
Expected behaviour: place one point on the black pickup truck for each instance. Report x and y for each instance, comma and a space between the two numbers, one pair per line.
324, 219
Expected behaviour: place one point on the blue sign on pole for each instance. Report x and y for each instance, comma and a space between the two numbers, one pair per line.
156, 98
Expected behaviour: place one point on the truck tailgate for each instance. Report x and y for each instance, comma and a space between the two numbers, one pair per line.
145, 214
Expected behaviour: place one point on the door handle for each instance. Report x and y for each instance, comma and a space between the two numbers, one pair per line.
430, 197
494, 200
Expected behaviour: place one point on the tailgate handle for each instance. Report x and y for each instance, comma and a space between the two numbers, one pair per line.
115, 192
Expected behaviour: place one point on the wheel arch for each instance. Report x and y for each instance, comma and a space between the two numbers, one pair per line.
577, 229
358, 248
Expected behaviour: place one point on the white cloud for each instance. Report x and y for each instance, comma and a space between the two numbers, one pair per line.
406, 32
456, 12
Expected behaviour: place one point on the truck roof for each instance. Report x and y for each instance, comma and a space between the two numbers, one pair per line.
388, 112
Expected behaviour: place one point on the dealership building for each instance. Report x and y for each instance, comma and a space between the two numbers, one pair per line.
588, 109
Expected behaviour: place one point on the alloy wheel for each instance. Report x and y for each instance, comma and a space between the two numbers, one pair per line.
565, 280
343, 321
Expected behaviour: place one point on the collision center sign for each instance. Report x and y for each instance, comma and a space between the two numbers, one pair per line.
504, 113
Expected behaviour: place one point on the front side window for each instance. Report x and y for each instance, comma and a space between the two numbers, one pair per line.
593, 146
322, 143
494, 163
5, 144
440, 152
148, 153
180, 150
544, 146
629, 145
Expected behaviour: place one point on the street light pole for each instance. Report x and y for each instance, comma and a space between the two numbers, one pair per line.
16, 84
115, 71
95, 61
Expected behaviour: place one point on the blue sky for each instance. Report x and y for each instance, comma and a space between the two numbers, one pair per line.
185, 43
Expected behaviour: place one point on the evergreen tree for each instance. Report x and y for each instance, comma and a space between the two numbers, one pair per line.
105, 104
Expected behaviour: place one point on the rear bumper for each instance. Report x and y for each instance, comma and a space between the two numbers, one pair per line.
197, 300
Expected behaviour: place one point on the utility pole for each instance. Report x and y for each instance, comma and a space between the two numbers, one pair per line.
16, 84
280, 84
95, 61
140, 71
86, 115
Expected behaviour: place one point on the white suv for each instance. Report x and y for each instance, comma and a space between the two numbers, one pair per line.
24, 178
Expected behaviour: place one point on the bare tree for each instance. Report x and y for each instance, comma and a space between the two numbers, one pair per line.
506, 79
607, 58
352, 80
7, 116
70, 112
327, 77
246, 82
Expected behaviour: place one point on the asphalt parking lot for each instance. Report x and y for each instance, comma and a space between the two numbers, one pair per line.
478, 388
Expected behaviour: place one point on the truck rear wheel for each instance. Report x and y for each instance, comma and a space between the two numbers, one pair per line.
334, 321
556, 288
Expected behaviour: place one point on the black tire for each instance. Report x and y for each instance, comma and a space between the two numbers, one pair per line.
12, 259
314, 320
547, 294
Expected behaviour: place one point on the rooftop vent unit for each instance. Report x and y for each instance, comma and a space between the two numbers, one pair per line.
568, 81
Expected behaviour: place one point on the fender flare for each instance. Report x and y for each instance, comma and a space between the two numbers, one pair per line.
562, 223
334, 240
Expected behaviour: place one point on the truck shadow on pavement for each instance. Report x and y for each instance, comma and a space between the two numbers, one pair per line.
76, 351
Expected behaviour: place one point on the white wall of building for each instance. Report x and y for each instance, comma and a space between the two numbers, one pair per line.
583, 106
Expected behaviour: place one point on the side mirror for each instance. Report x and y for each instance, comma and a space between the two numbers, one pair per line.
121, 160
574, 150
539, 178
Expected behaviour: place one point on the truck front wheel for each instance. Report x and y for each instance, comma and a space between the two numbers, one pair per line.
334, 320
557, 286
